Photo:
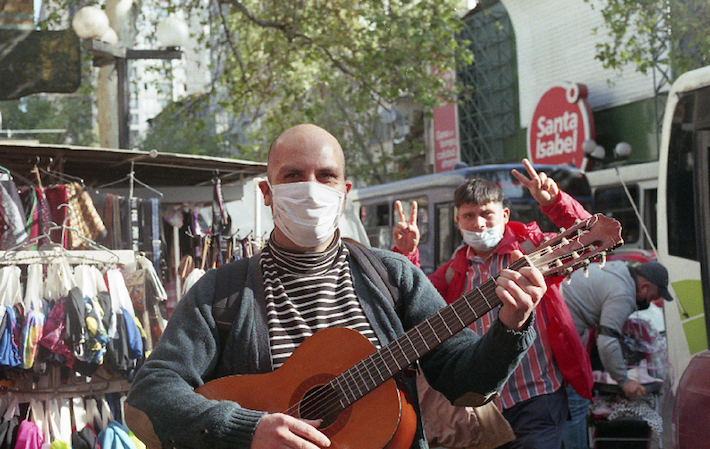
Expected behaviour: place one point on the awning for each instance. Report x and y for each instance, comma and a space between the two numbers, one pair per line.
100, 166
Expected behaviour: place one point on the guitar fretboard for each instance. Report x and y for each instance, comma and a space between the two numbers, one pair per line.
400, 353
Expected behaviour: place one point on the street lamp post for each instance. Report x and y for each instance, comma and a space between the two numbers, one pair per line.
106, 54
92, 25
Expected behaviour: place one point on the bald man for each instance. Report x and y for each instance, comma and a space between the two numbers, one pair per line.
304, 280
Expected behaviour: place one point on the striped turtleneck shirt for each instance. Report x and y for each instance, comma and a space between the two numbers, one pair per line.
307, 292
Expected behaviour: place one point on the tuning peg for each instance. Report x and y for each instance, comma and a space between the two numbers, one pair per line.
568, 277
603, 261
586, 269
575, 255
563, 230
565, 241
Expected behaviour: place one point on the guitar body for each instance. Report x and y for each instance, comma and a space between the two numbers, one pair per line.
383, 418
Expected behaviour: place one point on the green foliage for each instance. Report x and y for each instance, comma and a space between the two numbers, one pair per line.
330, 62
647, 33
333, 63
69, 112
186, 127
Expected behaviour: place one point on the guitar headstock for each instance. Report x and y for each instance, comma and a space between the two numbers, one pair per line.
577, 246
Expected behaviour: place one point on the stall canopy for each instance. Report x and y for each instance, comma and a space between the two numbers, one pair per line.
100, 166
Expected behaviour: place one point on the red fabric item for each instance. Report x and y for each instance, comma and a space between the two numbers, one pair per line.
56, 197
567, 347
53, 335
414, 257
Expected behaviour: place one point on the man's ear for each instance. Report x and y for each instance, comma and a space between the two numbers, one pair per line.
506, 215
640, 284
266, 191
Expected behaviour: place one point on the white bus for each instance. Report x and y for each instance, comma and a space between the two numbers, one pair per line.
684, 247
684, 211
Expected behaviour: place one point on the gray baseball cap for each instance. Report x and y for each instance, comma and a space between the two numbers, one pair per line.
658, 275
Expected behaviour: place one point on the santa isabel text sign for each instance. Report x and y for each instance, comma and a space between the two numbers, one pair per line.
561, 122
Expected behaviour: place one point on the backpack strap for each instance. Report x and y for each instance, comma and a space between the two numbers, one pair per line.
374, 269
228, 291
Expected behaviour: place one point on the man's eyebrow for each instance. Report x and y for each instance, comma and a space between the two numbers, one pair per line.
289, 169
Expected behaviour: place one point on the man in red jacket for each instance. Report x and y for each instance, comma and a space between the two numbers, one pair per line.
534, 399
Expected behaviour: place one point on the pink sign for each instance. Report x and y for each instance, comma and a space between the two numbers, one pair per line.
446, 138
561, 122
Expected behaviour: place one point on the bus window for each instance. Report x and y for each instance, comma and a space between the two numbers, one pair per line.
375, 218
680, 199
447, 237
650, 214
613, 202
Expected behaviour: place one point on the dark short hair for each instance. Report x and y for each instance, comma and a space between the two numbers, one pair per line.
478, 191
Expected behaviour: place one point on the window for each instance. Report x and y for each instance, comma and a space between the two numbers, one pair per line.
488, 111
375, 218
680, 193
448, 237
613, 202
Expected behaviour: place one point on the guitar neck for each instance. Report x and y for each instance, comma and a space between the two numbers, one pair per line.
400, 353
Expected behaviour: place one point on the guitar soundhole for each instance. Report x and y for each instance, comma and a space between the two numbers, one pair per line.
320, 403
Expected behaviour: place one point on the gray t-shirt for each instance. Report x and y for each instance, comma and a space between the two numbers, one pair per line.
606, 298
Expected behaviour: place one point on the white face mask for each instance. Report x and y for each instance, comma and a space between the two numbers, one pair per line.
484, 240
306, 212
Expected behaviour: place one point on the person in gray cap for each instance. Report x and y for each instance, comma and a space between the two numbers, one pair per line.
604, 299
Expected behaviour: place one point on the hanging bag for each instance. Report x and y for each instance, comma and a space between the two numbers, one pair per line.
9, 425
115, 437
34, 317
29, 435
120, 296
60, 439
84, 436
60, 281
10, 294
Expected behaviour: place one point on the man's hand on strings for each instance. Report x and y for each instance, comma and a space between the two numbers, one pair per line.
406, 232
542, 188
520, 292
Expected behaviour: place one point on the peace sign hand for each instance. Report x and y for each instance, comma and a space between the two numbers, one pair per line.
542, 188
406, 232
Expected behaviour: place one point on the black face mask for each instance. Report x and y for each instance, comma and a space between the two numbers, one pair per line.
642, 304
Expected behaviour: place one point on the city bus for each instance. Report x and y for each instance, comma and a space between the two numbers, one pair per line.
629, 193
684, 212
435, 196
684, 248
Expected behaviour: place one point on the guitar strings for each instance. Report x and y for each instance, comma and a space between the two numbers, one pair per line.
330, 398
328, 401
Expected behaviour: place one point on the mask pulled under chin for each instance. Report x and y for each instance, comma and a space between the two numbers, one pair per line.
306, 212
484, 240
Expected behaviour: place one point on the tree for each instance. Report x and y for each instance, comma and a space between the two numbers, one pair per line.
646, 33
71, 113
334, 63
187, 126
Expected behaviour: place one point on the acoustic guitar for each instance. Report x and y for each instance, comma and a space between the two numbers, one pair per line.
339, 377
